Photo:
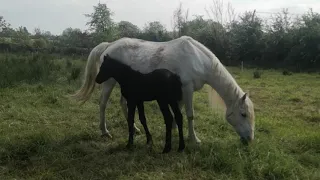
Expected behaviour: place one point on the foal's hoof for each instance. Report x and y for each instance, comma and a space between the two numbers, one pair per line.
180, 149
166, 150
107, 135
129, 146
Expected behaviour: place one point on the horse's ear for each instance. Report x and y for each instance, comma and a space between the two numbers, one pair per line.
243, 98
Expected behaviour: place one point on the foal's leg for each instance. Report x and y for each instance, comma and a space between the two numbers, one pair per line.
131, 113
188, 98
168, 121
107, 88
174, 123
143, 121
123, 104
179, 119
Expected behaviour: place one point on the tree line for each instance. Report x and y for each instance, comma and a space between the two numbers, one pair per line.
282, 42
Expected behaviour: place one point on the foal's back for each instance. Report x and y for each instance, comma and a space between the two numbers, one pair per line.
160, 84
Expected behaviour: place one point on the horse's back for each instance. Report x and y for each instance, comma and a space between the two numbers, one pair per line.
179, 55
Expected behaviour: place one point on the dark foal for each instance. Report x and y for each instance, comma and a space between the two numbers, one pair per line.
160, 85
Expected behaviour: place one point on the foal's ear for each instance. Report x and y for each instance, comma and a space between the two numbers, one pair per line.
106, 56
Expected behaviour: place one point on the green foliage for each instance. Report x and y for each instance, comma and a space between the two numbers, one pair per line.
100, 20
39, 43
3, 24
155, 31
257, 74
75, 73
282, 43
208, 32
31, 68
127, 29
286, 73
245, 39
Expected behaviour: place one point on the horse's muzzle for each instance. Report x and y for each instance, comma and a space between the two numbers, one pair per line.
246, 140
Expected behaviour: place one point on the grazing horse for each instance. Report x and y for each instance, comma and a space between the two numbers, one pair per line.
195, 64
160, 84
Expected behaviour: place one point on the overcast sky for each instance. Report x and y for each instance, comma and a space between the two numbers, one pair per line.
56, 15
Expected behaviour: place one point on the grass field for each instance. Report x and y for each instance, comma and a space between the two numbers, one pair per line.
43, 135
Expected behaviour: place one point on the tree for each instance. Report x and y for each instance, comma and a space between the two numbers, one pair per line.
246, 39
127, 29
101, 24
5, 29
22, 36
155, 31
75, 38
100, 19
3, 24
179, 20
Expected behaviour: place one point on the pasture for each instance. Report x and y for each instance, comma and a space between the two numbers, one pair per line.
44, 135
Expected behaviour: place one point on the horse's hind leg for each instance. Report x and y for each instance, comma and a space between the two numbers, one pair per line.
168, 121
123, 104
107, 88
143, 121
179, 119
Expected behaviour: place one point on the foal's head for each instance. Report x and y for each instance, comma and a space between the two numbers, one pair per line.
109, 68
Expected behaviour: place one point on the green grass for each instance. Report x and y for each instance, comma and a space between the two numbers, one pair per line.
43, 135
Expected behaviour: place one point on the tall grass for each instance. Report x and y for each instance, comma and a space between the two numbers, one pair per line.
33, 68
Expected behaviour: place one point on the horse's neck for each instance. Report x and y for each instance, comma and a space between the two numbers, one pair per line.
225, 85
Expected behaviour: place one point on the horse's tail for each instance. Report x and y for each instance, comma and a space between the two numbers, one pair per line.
93, 63
215, 101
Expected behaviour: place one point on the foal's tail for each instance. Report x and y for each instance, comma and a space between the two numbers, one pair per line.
93, 64
177, 87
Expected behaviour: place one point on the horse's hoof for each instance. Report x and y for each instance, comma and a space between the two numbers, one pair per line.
107, 135
194, 140
149, 141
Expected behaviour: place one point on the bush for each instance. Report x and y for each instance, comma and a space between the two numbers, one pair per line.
257, 74
29, 68
75, 73
286, 73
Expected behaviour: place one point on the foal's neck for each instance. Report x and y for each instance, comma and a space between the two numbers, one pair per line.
125, 74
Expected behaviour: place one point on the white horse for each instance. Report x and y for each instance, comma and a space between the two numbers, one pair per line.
193, 62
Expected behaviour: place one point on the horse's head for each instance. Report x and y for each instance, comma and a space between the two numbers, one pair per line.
106, 70
241, 117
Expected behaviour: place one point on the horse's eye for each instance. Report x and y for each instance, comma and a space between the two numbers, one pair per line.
243, 115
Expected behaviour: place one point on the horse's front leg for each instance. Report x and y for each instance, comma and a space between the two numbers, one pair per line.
123, 104
107, 88
188, 100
